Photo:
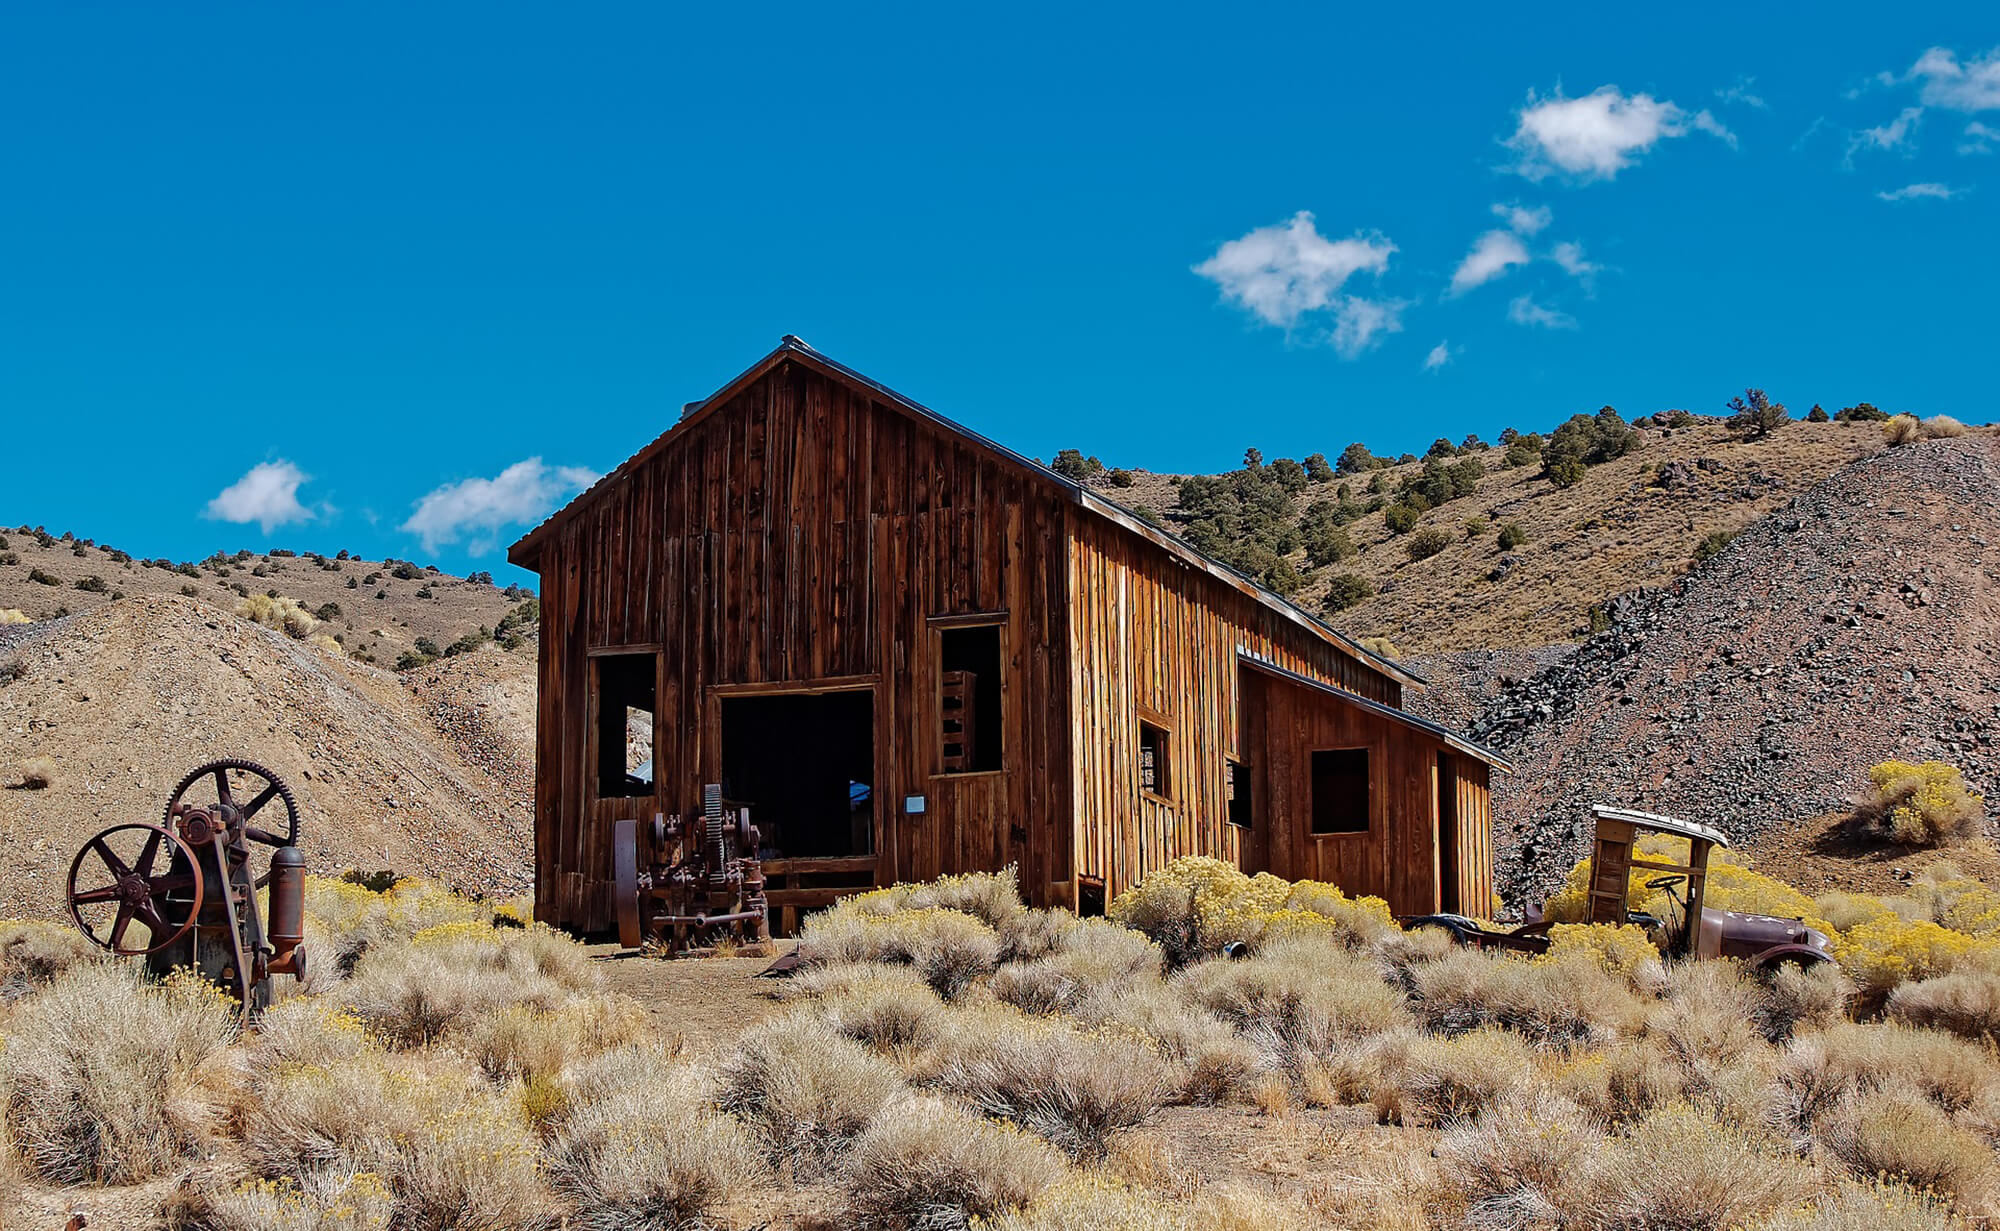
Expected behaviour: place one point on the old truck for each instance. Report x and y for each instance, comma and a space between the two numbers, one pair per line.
1688, 928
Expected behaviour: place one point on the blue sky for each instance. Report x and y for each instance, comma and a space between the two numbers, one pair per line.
396, 278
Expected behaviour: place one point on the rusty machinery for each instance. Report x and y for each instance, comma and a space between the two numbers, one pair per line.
703, 888
191, 883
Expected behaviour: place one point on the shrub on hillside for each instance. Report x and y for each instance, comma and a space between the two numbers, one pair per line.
282, 614
1564, 472
1426, 543
1755, 416
1923, 805
1511, 535
13, 615
1345, 590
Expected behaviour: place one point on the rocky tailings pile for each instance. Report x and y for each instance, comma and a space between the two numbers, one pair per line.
1861, 621
122, 699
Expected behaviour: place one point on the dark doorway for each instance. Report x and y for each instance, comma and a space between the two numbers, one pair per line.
1447, 797
804, 763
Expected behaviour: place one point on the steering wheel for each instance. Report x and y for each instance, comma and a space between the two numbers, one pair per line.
1665, 882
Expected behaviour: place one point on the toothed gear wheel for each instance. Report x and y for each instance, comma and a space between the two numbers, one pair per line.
224, 796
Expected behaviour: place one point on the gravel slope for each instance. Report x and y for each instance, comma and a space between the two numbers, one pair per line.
126, 697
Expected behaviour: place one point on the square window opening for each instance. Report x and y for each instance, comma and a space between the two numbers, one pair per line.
625, 686
1239, 795
1340, 789
1155, 762
969, 713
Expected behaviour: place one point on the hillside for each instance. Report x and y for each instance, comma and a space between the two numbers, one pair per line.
384, 606
1860, 622
123, 698
1632, 521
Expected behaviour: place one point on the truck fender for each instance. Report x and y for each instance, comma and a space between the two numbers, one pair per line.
1802, 956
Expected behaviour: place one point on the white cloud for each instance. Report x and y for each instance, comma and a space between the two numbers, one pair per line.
1359, 323
1440, 355
1282, 272
480, 508
1525, 311
1523, 221
1920, 192
1740, 93
267, 494
1569, 255
1492, 255
1977, 138
1973, 85
1597, 136
1893, 135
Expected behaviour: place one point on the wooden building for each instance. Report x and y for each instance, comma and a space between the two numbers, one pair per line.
911, 651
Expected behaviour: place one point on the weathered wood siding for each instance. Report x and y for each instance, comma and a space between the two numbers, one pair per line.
1149, 631
1399, 858
801, 532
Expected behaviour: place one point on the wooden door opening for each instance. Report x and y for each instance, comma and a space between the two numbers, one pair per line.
804, 763
1448, 835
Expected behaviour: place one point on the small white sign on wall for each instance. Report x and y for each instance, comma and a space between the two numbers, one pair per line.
913, 804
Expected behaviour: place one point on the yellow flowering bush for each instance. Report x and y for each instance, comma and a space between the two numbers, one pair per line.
1924, 804
1621, 948
1197, 904
1886, 952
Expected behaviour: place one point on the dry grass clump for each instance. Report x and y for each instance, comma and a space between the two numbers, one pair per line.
456, 1154
526, 1041
101, 1073
1036, 932
1965, 1004
991, 897
345, 920
1073, 1087
1708, 1022
1924, 804
1091, 956
1876, 1206
1209, 1062
925, 1165
448, 977
1846, 910
884, 1007
36, 774
1897, 1133
1297, 999
1821, 1074
1520, 1163
948, 947
650, 1154
14, 615
1794, 997
33, 953
1682, 1168
1556, 1002
333, 1200
1428, 1080
283, 614
1907, 428
806, 1089
1091, 1201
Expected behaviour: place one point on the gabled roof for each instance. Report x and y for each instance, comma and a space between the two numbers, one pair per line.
1445, 735
528, 549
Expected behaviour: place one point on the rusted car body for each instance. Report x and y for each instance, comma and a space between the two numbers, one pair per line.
1764, 941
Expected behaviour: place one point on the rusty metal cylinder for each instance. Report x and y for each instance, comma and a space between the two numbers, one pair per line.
288, 902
